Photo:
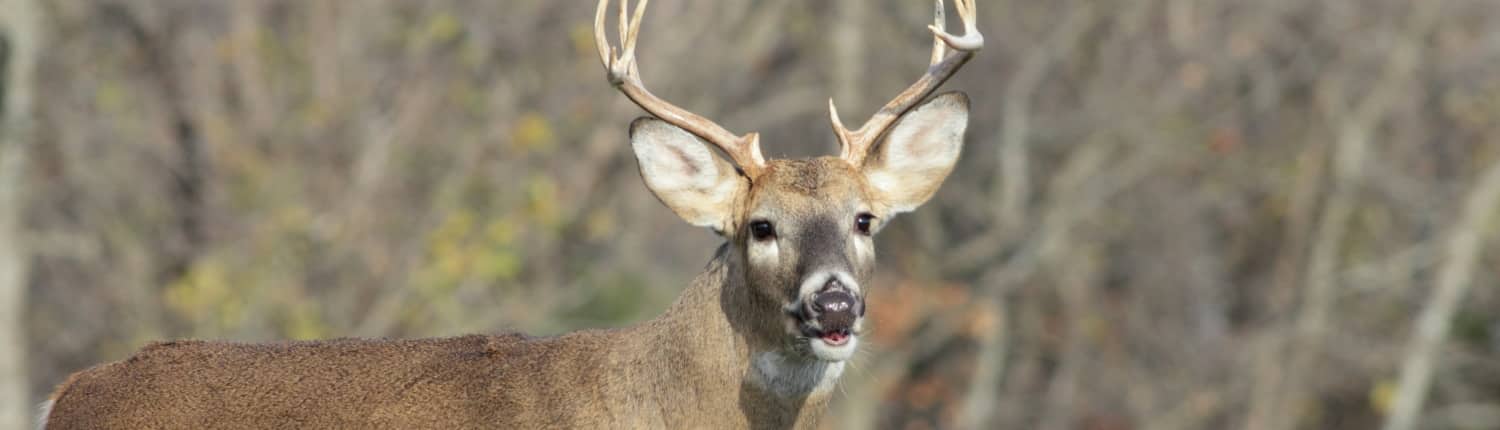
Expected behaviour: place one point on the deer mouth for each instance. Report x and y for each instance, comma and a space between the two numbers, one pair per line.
831, 344
836, 337
831, 336
828, 338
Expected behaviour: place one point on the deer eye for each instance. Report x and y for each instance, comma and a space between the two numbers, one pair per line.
862, 223
762, 230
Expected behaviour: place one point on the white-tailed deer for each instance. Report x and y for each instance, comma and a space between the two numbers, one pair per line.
757, 341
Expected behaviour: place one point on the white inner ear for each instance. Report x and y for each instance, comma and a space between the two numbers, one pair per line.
684, 174
919, 152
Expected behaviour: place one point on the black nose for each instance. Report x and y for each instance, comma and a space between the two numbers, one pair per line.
834, 301
835, 307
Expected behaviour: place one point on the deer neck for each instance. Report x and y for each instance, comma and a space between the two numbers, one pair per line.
720, 335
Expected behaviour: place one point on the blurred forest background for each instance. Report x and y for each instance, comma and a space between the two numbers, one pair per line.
1170, 214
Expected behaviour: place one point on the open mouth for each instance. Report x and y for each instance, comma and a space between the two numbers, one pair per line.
836, 337
831, 344
832, 337
835, 343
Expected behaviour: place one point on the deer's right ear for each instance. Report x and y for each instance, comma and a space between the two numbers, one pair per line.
919, 152
685, 175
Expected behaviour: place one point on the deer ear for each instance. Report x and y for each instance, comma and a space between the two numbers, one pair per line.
684, 174
918, 152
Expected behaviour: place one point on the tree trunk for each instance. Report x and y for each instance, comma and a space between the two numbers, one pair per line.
18, 42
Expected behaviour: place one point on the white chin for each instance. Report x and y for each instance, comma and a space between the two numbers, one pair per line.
828, 352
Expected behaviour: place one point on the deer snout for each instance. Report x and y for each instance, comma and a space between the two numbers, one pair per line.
835, 307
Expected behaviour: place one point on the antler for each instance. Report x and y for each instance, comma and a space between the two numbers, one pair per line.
854, 145
623, 74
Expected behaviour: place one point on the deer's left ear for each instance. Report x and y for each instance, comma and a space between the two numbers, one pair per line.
918, 152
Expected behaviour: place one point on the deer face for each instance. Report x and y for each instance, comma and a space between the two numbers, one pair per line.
806, 238
803, 229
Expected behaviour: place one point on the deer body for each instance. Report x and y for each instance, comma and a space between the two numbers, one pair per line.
646, 376
758, 340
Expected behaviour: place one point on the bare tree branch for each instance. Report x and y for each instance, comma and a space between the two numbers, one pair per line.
1454, 280
1353, 134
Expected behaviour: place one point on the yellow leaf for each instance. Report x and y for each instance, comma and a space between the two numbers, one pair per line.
542, 196
205, 296
305, 323
498, 265
532, 132
1383, 395
441, 28
501, 231
582, 36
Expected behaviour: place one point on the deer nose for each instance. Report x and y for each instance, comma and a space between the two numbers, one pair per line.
834, 301
835, 297
835, 307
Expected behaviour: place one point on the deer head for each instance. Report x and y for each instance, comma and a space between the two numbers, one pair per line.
800, 231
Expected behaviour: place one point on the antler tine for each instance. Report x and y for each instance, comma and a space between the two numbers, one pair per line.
972, 40
939, 22
623, 72
855, 145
